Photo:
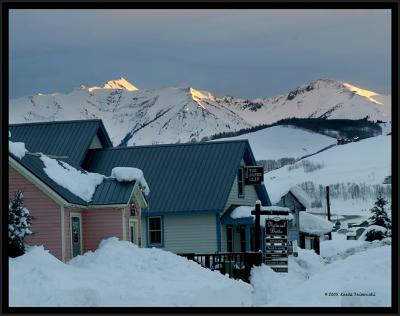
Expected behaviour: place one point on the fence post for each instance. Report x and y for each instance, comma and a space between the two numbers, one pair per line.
207, 259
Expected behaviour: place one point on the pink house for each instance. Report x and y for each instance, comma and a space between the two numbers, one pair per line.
64, 223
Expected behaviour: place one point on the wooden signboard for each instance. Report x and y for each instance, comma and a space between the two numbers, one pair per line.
253, 175
276, 244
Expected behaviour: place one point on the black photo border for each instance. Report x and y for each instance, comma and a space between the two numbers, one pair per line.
393, 5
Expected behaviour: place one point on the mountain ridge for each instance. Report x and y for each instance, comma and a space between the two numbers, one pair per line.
170, 115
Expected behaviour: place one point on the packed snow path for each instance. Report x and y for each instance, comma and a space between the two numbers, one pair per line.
354, 274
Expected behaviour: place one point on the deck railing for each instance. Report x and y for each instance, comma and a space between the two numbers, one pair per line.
236, 264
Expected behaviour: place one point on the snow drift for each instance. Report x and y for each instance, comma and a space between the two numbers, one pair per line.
360, 280
119, 273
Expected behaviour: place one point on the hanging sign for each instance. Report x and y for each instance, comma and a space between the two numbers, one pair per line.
253, 175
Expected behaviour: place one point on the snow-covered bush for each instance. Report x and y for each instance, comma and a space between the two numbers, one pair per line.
375, 235
19, 223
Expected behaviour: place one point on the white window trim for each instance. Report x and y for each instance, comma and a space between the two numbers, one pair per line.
136, 221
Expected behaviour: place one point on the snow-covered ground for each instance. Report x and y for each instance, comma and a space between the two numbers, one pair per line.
120, 274
284, 142
365, 163
358, 274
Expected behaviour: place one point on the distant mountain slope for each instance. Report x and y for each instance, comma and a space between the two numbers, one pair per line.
284, 142
172, 115
319, 99
133, 116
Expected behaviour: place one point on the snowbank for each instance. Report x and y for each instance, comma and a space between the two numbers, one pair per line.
123, 174
313, 224
269, 285
82, 184
340, 248
338, 244
360, 280
120, 274
17, 149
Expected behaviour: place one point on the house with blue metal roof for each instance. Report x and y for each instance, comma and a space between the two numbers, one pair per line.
65, 223
193, 187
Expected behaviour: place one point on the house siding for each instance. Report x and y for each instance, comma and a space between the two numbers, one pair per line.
46, 224
190, 233
223, 238
99, 224
250, 194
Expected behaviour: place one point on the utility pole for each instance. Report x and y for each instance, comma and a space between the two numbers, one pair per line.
257, 226
328, 208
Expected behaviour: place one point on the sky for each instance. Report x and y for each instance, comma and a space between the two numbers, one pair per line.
243, 53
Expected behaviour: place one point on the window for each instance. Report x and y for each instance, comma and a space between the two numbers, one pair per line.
309, 243
229, 238
155, 234
241, 182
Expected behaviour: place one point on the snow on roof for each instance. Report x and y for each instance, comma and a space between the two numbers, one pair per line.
123, 174
82, 184
245, 211
301, 196
313, 224
17, 149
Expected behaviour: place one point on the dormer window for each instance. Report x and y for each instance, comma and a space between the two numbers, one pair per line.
241, 182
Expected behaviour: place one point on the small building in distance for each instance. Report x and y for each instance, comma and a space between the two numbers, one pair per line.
305, 228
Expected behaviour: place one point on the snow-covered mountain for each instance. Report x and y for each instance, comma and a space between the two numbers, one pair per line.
132, 116
170, 115
319, 99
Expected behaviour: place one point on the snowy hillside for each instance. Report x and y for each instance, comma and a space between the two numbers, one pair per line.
355, 173
171, 115
284, 142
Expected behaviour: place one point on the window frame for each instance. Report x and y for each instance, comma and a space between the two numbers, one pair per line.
149, 242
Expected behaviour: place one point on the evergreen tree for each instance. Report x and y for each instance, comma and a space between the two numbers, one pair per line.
19, 223
379, 215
